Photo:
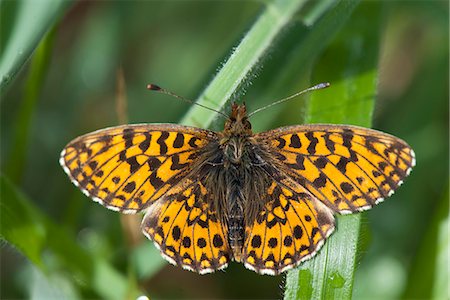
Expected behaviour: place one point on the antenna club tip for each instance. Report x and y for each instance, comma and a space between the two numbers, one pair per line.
323, 85
153, 87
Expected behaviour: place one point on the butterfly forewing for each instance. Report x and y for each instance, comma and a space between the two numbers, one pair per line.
348, 168
126, 168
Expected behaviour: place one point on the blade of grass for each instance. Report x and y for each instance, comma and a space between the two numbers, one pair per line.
38, 68
330, 274
32, 20
32, 233
244, 58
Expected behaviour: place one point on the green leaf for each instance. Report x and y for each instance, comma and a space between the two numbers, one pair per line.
32, 19
19, 222
349, 100
32, 233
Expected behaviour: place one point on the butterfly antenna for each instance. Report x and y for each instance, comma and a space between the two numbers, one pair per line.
313, 88
154, 87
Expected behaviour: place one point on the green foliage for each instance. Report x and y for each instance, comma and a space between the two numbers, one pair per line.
57, 242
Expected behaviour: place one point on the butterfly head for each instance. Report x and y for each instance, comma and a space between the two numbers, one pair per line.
237, 123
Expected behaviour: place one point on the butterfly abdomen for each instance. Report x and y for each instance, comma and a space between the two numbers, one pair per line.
235, 165
236, 232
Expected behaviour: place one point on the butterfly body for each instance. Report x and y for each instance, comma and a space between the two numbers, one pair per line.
267, 200
234, 168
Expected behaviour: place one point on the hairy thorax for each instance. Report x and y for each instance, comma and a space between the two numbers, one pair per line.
234, 173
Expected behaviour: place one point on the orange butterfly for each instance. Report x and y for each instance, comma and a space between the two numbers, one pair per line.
267, 199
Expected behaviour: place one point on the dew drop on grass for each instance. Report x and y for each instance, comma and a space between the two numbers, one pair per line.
336, 280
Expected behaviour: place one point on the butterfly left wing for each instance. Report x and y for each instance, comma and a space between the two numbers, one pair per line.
187, 230
348, 168
126, 168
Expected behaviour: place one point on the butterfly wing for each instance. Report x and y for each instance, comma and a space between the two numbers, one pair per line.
187, 230
291, 228
348, 168
126, 168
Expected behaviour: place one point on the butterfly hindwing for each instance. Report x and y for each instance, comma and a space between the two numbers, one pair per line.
187, 230
291, 228
348, 168
127, 167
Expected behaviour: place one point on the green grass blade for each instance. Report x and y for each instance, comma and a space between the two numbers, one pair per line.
244, 58
38, 68
330, 274
32, 233
31, 21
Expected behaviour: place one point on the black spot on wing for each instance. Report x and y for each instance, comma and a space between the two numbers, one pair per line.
192, 142
256, 241
179, 140
281, 143
329, 143
153, 163
176, 163
162, 142
201, 243
347, 187
313, 141
128, 135
155, 181
321, 162
295, 141
134, 165
272, 243
320, 181
186, 242
347, 137
287, 241
217, 241
145, 143
342, 164
129, 187
298, 232
93, 164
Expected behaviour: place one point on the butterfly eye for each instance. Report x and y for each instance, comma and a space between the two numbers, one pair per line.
247, 124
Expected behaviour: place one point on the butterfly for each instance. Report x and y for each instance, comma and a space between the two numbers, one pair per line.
267, 200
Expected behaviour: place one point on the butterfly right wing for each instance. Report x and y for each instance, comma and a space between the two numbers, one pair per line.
187, 230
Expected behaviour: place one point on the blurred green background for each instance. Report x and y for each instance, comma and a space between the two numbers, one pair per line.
56, 243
